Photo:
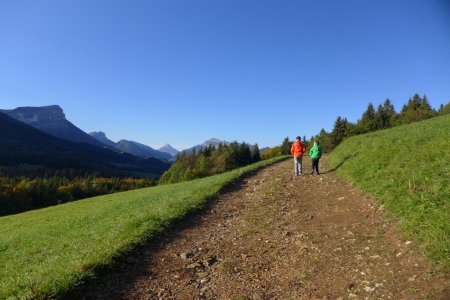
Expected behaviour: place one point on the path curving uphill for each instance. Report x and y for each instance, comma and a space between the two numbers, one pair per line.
277, 236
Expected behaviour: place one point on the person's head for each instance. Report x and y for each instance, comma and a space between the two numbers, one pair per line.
298, 138
316, 143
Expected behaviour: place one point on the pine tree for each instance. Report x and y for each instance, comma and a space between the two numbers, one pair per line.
444, 109
416, 109
368, 121
391, 115
256, 156
341, 130
286, 146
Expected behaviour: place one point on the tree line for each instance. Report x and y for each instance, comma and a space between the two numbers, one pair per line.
19, 194
384, 116
210, 161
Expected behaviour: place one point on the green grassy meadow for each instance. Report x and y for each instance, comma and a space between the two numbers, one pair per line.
406, 168
46, 252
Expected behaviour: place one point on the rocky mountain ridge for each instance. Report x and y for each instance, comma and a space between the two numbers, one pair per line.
51, 120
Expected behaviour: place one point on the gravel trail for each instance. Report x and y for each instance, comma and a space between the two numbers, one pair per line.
278, 236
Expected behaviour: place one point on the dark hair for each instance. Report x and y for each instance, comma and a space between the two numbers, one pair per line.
317, 142
298, 138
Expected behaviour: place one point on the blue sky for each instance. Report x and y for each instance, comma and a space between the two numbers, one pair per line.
181, 72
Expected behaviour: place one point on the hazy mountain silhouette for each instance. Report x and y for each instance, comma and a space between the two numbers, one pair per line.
213, 142
139, 149
169, 149
131, 147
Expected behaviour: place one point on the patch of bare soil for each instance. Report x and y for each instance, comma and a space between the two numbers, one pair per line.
279, 236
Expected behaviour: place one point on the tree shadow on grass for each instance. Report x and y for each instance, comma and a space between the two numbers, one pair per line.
341, 163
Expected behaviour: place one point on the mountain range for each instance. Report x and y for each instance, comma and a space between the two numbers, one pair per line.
131, 147
51, 120
25, 149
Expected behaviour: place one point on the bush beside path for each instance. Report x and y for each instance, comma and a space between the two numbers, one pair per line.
276, 236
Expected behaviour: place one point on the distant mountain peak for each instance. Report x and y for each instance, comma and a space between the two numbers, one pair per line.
139, 149
101, 137
169, 149
43, 114
98, 133
213, 141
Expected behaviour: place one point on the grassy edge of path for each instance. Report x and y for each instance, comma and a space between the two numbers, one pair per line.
407, 169
47, 252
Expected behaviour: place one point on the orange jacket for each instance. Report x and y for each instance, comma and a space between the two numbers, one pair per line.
297, 148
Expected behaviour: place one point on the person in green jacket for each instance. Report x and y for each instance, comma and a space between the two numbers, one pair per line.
316, 154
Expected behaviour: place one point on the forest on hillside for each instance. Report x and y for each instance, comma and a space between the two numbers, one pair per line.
210, 161
384, 116
19, 194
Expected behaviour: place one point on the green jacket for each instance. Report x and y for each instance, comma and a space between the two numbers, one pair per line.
315, 152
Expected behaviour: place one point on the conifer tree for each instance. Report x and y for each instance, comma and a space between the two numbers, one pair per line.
444, 109
391, 115
256, 156
380, 117
341, 130
416, 109
286, 146
368, 121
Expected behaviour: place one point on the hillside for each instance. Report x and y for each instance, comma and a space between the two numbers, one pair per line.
407, 168
278, 236
66, 244
24, 149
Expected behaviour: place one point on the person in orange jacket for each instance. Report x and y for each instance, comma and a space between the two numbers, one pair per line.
297, 150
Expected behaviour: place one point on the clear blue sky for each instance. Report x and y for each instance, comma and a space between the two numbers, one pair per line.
181, 72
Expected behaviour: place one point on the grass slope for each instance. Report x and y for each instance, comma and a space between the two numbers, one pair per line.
46, 252
407, 169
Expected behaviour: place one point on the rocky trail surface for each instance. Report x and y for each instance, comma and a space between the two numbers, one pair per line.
278, 236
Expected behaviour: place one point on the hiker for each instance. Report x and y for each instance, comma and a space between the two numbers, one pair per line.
297, 150
316, 154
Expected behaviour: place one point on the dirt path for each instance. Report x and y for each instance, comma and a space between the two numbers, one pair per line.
276, 236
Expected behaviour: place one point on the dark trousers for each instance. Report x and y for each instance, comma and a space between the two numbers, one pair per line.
315, 165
